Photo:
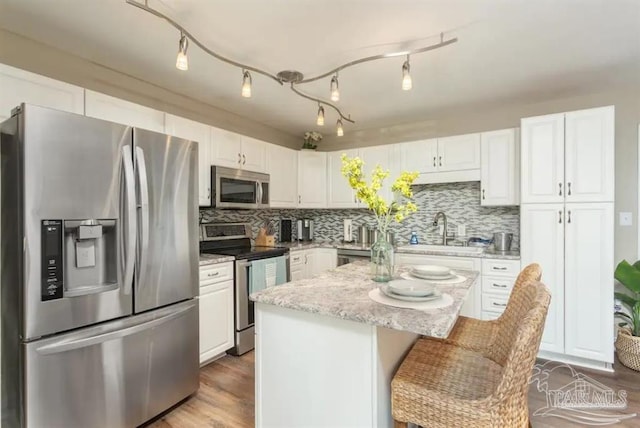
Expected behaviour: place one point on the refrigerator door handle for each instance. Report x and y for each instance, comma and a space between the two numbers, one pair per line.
130, 235
144, 214
84, 342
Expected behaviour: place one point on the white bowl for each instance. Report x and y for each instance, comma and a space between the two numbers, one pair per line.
405, 287
431, 270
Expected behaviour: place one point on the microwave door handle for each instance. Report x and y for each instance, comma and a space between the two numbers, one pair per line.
260, 193
129, 237
143, 182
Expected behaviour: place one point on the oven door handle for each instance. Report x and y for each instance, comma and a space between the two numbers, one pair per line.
242, 294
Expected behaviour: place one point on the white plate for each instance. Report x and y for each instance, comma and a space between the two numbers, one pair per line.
405, 287
457, 279
385, 290
432, 270
433, 277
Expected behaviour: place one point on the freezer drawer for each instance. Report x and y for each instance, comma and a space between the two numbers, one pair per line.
119, 374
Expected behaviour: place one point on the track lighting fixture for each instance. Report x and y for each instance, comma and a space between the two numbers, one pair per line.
320, 120
335, 92
293, 77
406, 75
182, 62
246, 84
339, 129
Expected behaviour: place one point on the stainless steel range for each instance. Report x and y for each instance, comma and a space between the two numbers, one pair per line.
234, 239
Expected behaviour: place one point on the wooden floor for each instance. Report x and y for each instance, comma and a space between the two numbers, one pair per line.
226, 396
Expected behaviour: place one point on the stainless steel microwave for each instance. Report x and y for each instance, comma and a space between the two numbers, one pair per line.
238, 189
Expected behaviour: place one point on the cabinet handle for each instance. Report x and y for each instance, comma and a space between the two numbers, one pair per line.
434, 161
239, 158
499, 285
569, 216
500, 305
559, 216
244, 159
306, 260
498, 268
296, 259
483, 194
569, 189
559, 189
440, 160
299, 199
213, 274
209, 193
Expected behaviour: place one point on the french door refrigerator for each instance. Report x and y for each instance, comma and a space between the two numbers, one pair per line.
99, 270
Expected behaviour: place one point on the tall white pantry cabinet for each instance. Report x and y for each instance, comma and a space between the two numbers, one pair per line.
567, 222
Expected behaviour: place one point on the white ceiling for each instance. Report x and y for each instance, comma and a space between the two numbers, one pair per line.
508, 50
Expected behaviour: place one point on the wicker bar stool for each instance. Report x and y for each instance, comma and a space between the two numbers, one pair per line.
440, 384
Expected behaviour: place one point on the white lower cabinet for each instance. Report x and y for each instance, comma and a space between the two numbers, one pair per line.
573, 243
308, 263
472, 304
216, 310
498, 277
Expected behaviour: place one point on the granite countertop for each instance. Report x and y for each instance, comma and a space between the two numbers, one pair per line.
343, 293
451, 250
214, 259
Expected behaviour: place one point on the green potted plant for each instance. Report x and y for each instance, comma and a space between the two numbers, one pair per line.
310, 140
628, 340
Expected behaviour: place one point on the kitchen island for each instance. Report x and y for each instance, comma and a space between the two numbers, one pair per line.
326, 353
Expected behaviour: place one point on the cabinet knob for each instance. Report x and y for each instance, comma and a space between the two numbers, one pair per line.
440, 160
244, 159
209, 193
569, 189
483, 197
559, 216
239, 158
569, 216
434, 161
299, 199
559, 189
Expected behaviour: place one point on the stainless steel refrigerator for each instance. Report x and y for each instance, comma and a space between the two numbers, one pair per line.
99, 270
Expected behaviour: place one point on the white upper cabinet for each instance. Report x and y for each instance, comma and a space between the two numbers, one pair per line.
568, 157
237, 151
195, 131
226, 148
105, 107
500, 168
254, 154
389, 159
312, 179
589, 155
19, 86
282, 167
340, 194
419, 156
459, 152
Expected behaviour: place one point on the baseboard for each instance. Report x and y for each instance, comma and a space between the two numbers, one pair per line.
576, 361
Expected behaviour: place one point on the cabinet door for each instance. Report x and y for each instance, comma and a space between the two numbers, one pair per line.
103, 106
324, 260
310, 263
542, 242
282, 167
195, 131
297, 273
459, 152
589, 281
388, 158
19, 86
216, 319
312, 179
419, 156
542, 159
254, 154
499, 170
226, 148
589, 155
340, 194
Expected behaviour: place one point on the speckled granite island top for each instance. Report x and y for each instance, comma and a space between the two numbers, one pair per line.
214, 259
343, 293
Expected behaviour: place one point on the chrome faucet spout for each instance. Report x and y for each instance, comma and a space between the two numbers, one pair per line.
444, 220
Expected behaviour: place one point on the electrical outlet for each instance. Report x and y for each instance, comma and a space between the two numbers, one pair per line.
462, 230
625, 219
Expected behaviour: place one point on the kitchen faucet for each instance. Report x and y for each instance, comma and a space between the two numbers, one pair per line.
435, 223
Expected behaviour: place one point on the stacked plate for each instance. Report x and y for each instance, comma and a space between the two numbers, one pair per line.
410, 291
432, 272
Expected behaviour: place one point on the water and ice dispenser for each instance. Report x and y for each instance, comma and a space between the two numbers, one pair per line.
79, 257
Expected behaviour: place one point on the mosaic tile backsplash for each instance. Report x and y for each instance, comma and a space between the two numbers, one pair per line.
459, 201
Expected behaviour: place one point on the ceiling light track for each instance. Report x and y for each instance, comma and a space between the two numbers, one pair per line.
319, 101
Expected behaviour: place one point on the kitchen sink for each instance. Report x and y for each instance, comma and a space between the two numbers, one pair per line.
440, 249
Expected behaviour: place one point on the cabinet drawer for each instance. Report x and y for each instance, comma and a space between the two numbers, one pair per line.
213, 274
296, 258
501, 267
487, 316
498, 284
494, 303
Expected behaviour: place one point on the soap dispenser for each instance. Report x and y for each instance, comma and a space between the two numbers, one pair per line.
414, 238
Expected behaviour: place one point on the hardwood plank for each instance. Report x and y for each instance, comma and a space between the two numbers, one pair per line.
226, 396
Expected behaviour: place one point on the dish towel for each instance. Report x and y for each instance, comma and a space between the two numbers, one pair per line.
267, 273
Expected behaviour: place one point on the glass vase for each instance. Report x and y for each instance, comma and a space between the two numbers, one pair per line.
382, 264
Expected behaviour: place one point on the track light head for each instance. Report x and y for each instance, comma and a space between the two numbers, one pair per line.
182, 62
335, 92
320, 120
339, 129
246, 84
407, 84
